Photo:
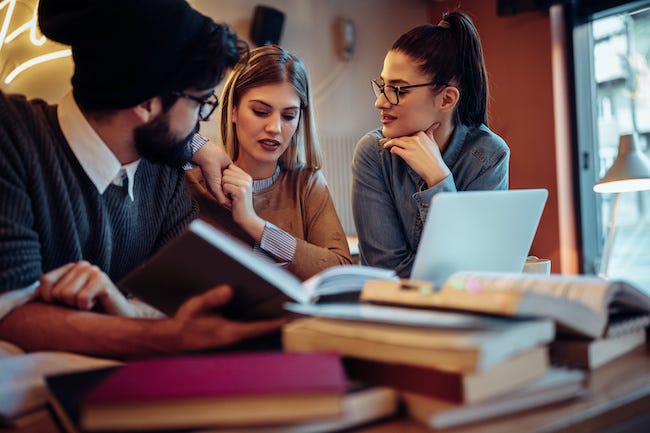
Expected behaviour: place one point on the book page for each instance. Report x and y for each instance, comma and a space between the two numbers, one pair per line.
590, 291
400, 316
345, 278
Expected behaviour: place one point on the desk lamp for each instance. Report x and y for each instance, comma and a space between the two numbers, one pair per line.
629, 172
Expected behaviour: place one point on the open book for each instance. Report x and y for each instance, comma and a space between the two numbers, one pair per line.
580, 305
203, 257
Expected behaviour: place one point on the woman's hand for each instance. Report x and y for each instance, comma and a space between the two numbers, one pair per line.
238, 186
421, 152
82, 285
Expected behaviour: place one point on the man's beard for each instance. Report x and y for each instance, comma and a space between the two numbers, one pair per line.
155, 143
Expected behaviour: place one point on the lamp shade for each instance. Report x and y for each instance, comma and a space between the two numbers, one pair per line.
630, 171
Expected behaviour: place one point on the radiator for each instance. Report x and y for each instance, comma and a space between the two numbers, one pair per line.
337, 157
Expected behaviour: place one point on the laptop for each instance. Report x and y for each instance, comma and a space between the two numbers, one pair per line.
477, 231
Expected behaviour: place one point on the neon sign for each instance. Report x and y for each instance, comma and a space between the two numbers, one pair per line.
31, 26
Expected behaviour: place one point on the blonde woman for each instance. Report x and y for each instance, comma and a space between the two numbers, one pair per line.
279, 200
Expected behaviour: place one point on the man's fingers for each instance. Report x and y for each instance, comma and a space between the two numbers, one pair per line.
216, 297
49, 280
205, 302
261, 327
54, 275
66, 289
87, 295
222, 199
215, 185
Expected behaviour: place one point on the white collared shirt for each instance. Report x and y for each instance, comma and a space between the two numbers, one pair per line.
97, 160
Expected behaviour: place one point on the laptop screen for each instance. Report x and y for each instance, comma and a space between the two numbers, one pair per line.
477, 231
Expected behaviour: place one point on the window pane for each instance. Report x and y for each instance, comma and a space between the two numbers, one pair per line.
621, 82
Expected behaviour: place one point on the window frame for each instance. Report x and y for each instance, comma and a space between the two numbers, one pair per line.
586, 113
591, 218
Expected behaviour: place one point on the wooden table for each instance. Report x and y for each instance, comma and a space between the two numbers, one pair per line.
617, 401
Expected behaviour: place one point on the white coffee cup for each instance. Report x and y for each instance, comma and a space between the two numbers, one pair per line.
535, 265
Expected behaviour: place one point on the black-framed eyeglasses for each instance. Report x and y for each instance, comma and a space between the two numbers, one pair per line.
392, 92
207, 104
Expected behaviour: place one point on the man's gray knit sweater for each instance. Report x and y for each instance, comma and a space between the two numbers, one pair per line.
52, 214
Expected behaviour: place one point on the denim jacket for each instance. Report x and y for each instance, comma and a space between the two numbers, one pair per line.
390, 200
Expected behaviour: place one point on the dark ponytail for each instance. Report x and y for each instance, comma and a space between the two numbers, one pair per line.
451, 53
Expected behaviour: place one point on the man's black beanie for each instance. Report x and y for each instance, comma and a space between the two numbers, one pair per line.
124, 51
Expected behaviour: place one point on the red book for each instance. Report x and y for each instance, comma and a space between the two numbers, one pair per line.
452, 386
213, 390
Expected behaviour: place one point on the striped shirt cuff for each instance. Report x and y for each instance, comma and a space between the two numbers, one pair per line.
278, 243
259, 252
197, 142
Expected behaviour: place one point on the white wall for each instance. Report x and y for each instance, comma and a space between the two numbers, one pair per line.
343, 97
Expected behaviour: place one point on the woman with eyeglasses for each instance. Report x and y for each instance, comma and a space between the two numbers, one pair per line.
279, 201
432, 96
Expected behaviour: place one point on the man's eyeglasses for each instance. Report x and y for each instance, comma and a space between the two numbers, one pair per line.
392, 92
207, 104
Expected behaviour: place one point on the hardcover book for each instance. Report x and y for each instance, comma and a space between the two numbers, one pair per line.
556, 385
216, 390
362, 404
591, 354
451, 349
506, 376
66, 391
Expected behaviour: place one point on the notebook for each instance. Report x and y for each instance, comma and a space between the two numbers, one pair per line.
477, 231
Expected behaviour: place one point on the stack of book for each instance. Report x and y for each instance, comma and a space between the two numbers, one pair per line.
597, 320
256, 391
459, 358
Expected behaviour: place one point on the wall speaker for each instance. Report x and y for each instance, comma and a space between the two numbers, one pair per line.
266, 28
513, 7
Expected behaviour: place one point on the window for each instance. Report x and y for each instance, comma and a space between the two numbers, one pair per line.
612, 81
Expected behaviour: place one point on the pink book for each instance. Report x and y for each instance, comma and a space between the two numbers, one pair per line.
212, 390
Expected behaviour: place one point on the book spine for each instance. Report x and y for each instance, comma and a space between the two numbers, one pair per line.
420, 380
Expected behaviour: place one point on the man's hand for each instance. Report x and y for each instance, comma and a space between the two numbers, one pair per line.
82, 285
197, 327
421, 152
213, 160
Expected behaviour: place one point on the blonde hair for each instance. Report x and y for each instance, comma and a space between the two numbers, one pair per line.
271, 64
